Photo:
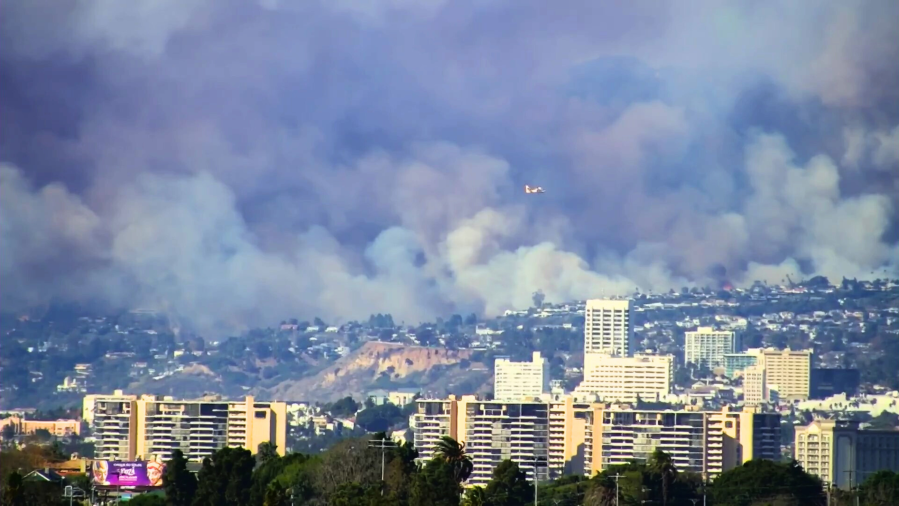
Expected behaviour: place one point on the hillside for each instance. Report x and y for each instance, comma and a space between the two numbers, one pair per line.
385, 365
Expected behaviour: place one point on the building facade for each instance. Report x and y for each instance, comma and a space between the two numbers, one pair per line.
608, 329
152, 427
843, 455
58, 428
515, 381
544, 436
755, 386
735, 363
625, 379
790, 370
705, 442
707, 347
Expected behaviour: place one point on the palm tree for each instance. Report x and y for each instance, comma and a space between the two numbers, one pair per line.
453, 452
662, 464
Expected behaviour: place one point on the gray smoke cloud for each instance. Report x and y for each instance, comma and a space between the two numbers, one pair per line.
238, 163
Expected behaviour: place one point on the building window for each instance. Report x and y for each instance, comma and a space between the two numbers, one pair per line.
260, 414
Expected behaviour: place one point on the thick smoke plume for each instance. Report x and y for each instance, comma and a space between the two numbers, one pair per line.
238, 163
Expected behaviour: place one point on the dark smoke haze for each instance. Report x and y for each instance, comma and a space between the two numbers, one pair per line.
242, 162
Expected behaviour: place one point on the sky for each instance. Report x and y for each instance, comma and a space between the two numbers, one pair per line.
242, 162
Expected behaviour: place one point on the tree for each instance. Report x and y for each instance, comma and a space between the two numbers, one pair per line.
764, 480
538, 297
662, 465
880, 489
475, 496
379, 418
276, 495
435, 485
266, 452
453, 452
270, 466
148, 500
600, 492
226, 478
43, 435
344, 407
8, 432
180, 484
349, 461
14, 493
509, 486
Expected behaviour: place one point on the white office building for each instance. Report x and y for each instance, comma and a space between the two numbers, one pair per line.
707, 347
608, 329
624, 379
516, 381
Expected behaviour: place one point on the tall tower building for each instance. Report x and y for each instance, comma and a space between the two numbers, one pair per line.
516, 381
608, 329
707, 347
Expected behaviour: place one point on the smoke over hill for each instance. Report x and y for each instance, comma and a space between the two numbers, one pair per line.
242, 162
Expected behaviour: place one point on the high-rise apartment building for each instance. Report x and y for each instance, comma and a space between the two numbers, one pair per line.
152, 427
114, 428
498, 431
567, 421
564, 436
536, 435
608, 329
707, 347
705, 442
624, 379
843, 455
789, 370
89, 402
516, 381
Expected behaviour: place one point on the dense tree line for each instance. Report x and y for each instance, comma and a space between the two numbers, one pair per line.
350, 474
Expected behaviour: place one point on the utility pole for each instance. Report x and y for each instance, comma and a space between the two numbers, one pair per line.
616, 476
383, 444
705, 481
536, 478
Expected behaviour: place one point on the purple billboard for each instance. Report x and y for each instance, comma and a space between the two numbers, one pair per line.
114, 473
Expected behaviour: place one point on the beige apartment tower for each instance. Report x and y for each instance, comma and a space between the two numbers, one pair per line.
152, 427
548, 433
705, 442
790, 371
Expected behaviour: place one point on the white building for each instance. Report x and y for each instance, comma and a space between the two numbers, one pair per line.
707, 347
608, 329
515, 381
612, 378
755, 385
